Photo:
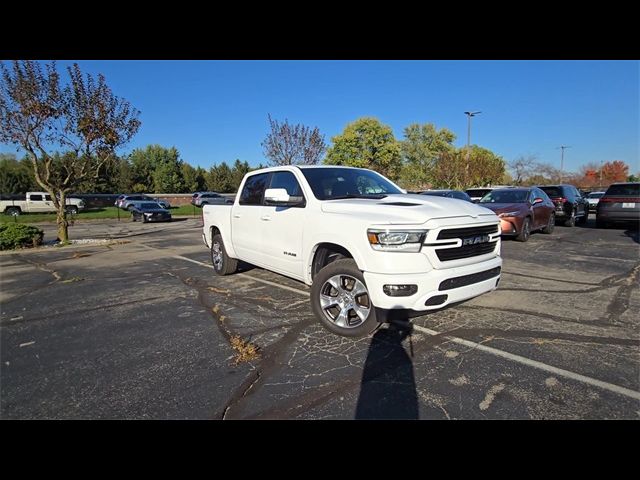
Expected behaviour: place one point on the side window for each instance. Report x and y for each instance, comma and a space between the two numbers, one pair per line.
532, 196
47, 197
36, 198
286, 180
253, 189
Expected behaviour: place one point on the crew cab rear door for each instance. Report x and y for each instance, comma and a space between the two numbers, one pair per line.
246, 223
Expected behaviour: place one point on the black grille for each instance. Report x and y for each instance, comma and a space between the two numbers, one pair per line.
465, 280
467, 232
467, 251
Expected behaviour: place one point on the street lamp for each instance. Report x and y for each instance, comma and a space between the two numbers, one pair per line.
469, 115
562, 147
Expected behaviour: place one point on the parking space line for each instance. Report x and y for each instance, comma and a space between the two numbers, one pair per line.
467, 343
267, 282
535, 364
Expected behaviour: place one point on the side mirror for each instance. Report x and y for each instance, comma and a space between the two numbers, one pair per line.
537, 201
279, 196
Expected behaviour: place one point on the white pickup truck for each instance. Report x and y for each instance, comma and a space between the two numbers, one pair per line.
38, 202
364, 246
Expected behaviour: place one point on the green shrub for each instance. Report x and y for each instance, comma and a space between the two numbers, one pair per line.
18, 235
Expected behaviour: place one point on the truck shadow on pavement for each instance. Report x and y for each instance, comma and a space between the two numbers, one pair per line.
388, 388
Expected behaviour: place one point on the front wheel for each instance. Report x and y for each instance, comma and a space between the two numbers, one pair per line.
72, 210
222, 263
340, 300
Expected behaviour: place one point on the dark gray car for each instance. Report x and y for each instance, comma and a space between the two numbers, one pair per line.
149, 212
620, 203
460, 195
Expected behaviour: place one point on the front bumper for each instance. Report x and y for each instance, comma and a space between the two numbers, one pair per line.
429, 286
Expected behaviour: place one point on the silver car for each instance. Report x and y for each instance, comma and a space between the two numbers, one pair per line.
593, 198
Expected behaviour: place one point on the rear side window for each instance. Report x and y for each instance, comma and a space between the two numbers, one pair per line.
253, 189
553, 192
630, 189
477, 192
36, 198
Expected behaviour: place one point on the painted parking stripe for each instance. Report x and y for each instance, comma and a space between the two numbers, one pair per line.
461, 341
535, 364
267, 282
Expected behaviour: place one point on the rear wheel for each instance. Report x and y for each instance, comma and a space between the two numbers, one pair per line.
583, 219
571, 221
13, 211
550, 224
222, 263
73, 210
525, 231
340, 300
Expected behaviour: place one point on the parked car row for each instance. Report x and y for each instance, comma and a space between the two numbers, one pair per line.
125, 202
200, 199
524, 210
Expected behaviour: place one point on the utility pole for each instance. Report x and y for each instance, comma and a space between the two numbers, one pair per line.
469, 115
562, 147
601, 165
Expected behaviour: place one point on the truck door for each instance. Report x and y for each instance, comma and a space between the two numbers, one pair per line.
246, 226
37, 203
282, 229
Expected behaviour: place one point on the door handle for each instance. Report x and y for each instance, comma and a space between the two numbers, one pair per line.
237, 215
266, 218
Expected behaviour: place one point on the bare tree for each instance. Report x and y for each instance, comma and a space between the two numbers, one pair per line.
293, 144
83, 118
522, 168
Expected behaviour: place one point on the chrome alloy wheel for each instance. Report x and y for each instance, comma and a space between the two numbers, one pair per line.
216, 255
345, 301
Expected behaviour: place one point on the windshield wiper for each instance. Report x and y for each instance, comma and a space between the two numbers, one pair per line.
376, 196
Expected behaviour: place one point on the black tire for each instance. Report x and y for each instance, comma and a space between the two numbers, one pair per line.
72, 210
348, 274
13, 211
583, 219
144, 218
133, 217
571, 221
550, 224
525, 231
222, 263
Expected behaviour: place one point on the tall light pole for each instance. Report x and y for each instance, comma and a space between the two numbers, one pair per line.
562, 147
469, 115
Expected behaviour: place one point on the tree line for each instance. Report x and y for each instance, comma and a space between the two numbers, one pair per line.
153, 169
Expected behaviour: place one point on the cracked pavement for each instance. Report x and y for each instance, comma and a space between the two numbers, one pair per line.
140, 328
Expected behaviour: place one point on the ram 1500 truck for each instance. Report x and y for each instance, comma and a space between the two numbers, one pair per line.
38, 202
363, 245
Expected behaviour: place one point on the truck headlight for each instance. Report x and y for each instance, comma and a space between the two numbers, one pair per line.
396, 240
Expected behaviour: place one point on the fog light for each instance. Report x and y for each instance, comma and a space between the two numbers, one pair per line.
436, 300
400, 290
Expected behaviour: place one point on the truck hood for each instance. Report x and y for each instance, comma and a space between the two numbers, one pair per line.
406, 209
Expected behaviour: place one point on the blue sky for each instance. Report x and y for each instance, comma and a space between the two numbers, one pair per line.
214, 111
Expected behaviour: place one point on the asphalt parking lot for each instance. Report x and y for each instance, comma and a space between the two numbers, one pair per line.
141, 328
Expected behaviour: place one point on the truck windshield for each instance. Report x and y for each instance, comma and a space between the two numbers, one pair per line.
336, 183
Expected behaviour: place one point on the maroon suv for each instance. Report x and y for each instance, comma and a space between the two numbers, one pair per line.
521, 211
